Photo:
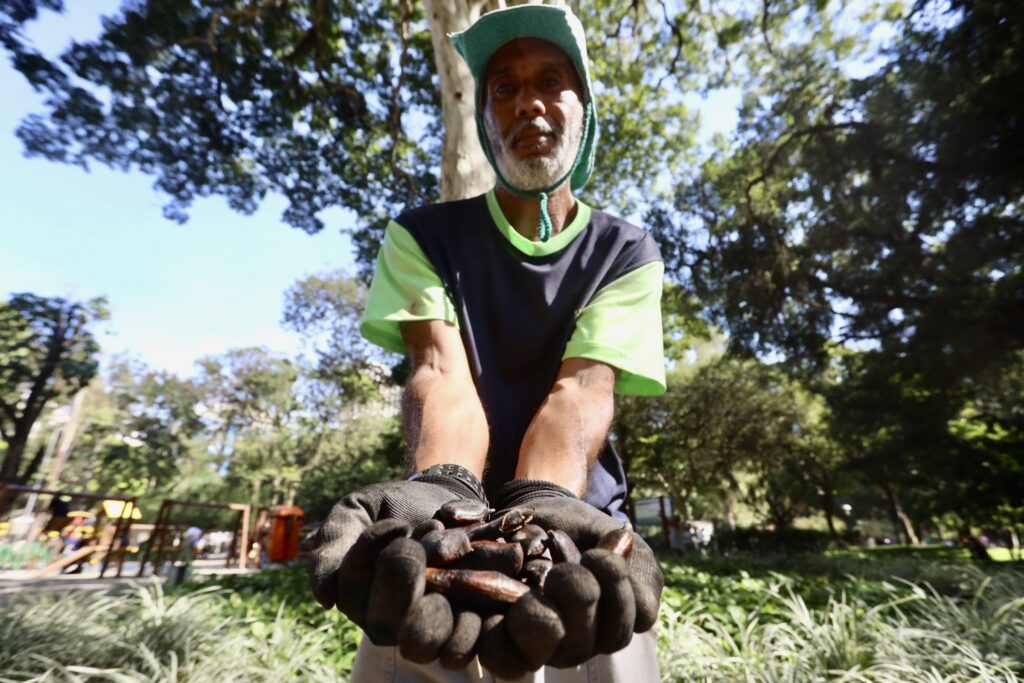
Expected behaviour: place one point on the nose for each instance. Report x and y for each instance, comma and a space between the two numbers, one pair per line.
528, 104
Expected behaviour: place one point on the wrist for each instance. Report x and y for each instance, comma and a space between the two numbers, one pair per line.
456, 478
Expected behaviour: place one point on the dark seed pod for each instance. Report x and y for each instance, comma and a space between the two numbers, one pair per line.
506, 558
619, 541
515, 519
562, 547
535, 571
508, 523
531, 537
482, 588
462, 512
446, 546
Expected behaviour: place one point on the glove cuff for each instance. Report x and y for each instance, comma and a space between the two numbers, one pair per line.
454, 478
523, 491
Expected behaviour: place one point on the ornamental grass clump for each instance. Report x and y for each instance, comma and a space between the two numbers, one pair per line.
143, 634
914, 635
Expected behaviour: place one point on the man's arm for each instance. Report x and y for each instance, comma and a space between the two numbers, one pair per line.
566, 434
443, 418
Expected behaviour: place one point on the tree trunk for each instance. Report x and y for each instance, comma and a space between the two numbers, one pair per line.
465, 171
66, 441
1014, 543
33, 466
12, 458
900, 517
728, 509
828, 504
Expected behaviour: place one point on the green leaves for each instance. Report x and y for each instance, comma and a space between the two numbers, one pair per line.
47, 353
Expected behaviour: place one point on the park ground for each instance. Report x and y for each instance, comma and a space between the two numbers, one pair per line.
886, 615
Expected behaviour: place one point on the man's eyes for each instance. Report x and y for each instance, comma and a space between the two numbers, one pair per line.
507, 88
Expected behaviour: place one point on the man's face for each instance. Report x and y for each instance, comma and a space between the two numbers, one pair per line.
533, 112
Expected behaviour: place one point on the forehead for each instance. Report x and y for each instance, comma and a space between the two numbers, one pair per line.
527, 52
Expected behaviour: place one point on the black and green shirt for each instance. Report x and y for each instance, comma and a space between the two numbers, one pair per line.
522, 307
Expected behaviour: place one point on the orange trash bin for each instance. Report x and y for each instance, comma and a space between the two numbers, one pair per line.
285, 524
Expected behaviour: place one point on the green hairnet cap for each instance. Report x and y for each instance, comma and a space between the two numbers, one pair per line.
553, 23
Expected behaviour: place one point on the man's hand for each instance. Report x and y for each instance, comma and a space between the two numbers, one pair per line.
602, 600
365, 563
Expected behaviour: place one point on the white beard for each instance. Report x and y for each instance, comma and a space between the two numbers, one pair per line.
539, 172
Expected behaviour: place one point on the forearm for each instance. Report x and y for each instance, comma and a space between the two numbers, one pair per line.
444, 421
566, 434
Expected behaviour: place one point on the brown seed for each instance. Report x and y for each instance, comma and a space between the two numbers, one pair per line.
506, 558
535, 571
619, 541
484, 588
463, 511
531, 537
506, 524
562, 547
446, 546
515, 519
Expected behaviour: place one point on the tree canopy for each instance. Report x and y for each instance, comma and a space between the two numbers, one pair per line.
857, 239
47, 352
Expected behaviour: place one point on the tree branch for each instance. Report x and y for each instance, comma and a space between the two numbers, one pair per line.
634, 6
818, 129
764, 29
395, 115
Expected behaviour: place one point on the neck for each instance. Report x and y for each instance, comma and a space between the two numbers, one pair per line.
523, 213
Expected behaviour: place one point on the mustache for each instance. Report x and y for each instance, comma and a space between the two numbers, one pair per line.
537, 126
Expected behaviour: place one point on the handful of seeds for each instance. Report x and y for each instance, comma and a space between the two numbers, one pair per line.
485, 564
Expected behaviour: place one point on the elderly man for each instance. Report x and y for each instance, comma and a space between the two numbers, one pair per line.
522, 311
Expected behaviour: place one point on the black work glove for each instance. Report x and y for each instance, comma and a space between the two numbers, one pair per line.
602, 600
365, 563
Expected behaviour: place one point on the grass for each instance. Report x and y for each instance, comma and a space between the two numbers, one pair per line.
752, 619
817, 618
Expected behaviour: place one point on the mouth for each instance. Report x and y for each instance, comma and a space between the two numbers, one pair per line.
533, 136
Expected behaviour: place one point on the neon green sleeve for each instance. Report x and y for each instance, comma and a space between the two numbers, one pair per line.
621, 326
405, 287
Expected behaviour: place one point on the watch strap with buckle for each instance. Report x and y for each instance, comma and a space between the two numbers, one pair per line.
457, 472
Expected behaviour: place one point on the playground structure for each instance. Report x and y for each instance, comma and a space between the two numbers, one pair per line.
257, 536
109, 542
164, 527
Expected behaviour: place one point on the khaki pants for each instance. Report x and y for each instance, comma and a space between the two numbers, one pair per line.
637, 663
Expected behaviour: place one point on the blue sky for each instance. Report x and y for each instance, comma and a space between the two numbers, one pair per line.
177, 292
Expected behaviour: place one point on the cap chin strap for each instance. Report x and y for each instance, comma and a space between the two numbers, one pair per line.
545, 228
